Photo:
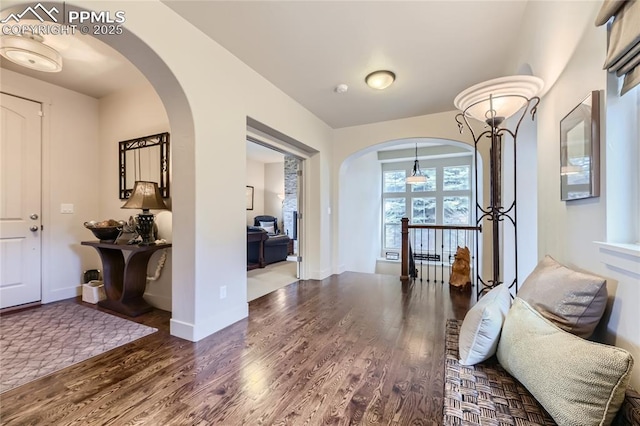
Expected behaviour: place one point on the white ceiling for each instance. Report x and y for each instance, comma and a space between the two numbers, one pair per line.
306, 48
261, 154
88, 66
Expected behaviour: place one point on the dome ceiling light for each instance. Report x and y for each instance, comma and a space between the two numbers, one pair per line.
380, 80
30, 51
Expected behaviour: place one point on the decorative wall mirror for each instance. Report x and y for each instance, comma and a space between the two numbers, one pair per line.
145, 158
580, 150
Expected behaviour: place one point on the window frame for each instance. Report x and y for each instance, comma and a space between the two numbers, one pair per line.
439, 164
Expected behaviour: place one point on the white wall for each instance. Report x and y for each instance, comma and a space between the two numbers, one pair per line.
255, 178
125, 115
351, 142
360, 204
208, 106
567, 230
274, 185
70, 175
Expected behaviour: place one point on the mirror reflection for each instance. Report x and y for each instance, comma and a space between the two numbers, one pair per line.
145, 158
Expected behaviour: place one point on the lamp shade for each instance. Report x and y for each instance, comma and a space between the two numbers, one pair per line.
412, 180
145, 196
498, 98
30, 52
380, 79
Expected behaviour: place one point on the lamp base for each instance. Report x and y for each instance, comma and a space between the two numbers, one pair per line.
144, 228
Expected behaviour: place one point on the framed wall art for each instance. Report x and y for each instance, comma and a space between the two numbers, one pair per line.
580, 150
249, 196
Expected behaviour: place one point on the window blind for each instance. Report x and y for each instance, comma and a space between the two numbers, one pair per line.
623, 53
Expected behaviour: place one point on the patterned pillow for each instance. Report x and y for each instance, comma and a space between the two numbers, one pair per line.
574, 301
577, 381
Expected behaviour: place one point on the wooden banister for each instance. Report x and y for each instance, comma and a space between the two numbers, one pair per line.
405, 273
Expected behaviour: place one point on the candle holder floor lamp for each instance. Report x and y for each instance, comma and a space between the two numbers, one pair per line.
492, 102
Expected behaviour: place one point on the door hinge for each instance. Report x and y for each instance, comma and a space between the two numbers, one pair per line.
41, 114
299, 172
299, 216
299, 259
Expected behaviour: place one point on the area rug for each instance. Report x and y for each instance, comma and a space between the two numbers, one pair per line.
40, 341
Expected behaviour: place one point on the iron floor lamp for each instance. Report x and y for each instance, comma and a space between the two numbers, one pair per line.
493, 102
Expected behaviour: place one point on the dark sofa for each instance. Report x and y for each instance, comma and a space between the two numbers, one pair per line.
275, 246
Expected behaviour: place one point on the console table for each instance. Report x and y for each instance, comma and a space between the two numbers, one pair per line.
125, 280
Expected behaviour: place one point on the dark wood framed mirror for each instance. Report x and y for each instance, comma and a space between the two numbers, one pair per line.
145, 158
580, 150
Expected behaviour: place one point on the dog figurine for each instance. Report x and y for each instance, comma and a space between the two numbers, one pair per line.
460, 277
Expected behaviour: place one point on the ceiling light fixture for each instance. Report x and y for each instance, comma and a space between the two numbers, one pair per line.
380, 79
30, 51
416, 175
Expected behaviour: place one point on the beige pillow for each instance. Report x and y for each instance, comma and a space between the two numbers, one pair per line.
577, 381
572, 300
481, 327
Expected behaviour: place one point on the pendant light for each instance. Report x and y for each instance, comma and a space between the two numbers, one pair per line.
416, 175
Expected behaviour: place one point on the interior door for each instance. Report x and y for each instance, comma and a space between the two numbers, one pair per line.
299, 218
20, 201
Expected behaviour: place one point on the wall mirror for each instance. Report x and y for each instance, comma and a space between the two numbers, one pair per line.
580, 150
145, 158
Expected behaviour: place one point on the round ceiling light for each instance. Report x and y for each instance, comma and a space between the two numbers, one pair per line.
29, 51
380, 79
499, 98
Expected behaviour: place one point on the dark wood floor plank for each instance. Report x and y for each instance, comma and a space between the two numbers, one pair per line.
352, 349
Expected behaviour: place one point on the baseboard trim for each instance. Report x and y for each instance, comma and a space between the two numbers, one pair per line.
22, 307
208, 326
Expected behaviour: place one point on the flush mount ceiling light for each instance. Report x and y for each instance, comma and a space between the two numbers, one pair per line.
380, 79
494, 101
416, 175
30, 51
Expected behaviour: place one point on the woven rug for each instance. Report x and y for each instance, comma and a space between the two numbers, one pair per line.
39, 341
485, 394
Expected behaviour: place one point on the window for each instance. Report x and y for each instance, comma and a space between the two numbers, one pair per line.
445, 199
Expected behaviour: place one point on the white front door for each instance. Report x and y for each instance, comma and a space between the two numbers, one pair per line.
20, 201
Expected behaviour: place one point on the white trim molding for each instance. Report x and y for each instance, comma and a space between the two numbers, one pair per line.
621, 257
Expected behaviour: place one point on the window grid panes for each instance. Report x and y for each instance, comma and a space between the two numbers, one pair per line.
394, 181
394, 211
455, 210
445, 199
456, 178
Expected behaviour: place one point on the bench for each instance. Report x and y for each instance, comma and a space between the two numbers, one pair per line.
485, 394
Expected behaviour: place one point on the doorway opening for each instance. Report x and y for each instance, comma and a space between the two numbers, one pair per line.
274, 180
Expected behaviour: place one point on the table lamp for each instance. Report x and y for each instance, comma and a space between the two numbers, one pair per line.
145, 196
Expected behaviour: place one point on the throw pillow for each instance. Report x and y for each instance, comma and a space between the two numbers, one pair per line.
269, 227
574, 301
480, 330
577, 381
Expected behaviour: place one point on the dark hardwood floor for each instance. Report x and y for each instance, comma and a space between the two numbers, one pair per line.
351, 349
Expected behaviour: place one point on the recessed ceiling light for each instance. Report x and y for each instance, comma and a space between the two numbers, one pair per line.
380, 79
30, 51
